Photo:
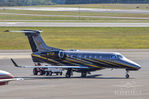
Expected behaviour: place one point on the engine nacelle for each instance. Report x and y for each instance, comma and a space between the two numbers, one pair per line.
54, 54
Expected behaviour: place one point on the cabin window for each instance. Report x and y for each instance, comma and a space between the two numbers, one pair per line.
79, 56
71, 56
100, 57
90, 56
84, 56
87, 56
67, 55
75, 55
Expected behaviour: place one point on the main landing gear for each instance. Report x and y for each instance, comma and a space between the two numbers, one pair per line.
127, 75
83, 74
35, 71
69, 73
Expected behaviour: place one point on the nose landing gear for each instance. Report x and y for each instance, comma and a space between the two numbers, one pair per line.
127, 75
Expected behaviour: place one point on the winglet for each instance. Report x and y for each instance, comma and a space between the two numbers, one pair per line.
26, 31
15, 64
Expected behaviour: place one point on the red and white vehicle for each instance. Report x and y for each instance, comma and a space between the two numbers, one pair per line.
6, 77
47, 71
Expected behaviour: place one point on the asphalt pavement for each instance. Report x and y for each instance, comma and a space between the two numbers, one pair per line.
71, 9
104, 84
70, 24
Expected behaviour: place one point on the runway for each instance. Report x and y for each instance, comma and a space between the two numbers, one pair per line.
82, 16
70, 24
71, 9
108, 85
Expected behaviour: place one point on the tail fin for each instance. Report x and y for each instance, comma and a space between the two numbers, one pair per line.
35, 40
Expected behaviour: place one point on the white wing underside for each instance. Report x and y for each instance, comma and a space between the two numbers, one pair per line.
65, 67
7, 80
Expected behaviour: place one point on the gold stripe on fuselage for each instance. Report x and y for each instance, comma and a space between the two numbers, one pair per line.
105, 62
46, 59
76, 61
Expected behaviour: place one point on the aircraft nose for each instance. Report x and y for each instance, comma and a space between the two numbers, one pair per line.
139, 66
133, 64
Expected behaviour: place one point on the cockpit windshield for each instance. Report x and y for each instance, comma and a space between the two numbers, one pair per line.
120, 56
117, 56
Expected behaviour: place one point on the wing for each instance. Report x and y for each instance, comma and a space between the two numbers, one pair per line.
7, 80
65, 67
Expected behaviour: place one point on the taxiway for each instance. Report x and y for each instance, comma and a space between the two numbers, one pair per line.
70, 24
107, 85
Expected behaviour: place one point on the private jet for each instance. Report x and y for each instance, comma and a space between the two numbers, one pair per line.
83, 62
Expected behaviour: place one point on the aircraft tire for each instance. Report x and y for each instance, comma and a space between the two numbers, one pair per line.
61, 73
47, 73
35, 71
83, 74
56, 73
127, 76
68, 75
50, 73
42, 72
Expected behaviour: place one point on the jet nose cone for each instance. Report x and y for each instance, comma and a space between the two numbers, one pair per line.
132, 64
5, 75
10, 76
138, 66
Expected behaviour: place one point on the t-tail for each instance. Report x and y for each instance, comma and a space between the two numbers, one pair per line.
36, 42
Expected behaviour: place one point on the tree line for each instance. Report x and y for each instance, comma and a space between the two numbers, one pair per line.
49, 2
104, 1
29, 2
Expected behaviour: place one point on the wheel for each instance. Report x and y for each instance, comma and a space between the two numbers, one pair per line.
42, 72
83, 74
50, 73
35, 71
61, 73
56, 73
127, 76
47, 73
68, 75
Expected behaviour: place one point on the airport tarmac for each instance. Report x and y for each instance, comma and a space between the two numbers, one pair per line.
70, 24
82, 16
109, 84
